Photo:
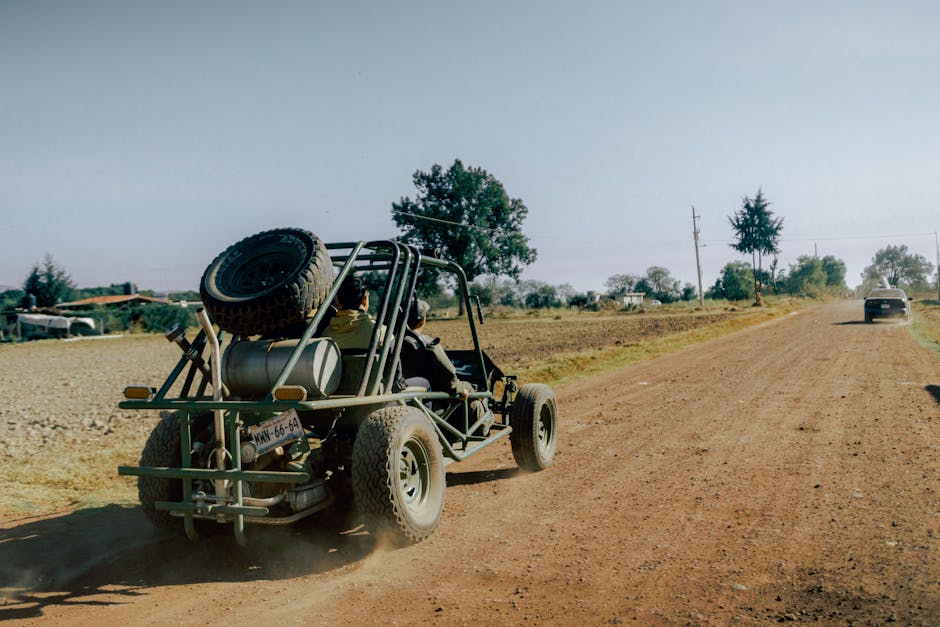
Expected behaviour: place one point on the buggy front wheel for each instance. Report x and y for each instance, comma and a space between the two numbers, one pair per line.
533, 418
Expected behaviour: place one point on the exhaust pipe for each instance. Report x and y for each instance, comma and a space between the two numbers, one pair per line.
219, 423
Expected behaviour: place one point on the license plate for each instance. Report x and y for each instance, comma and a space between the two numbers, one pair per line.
885, 306
274, 432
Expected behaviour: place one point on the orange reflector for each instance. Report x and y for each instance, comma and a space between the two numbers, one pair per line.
290, 393
139, 392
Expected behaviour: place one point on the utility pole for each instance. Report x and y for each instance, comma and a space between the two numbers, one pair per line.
698, 265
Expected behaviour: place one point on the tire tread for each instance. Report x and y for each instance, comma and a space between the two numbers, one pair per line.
374, 471
523, 418
284, 307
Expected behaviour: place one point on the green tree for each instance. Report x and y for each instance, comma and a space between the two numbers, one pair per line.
757, 232
49, 283
900, 268
659, 284
579, 300
807, 277
540, 295
491, 290
484, 292
736, 282
467, 213
10, 299
835, 272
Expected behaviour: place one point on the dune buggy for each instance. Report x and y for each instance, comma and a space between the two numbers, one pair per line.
267, 422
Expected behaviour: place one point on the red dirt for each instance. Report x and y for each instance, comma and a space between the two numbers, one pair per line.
785, 472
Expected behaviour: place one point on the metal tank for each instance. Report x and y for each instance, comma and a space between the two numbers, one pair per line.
250, 368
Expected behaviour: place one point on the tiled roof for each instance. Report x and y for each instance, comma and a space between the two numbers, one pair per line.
114, 299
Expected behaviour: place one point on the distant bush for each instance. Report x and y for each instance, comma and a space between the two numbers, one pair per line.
150, 318
10, 299
158, 318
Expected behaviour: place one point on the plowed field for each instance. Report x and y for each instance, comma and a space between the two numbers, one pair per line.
519, 343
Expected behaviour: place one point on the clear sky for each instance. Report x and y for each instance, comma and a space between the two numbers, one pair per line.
139, 139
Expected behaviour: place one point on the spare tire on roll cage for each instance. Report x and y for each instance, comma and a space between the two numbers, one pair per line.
267, 282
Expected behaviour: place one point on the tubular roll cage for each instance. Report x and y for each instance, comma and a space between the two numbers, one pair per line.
403, 262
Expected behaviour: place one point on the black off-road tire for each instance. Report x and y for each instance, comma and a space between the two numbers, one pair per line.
533, 418
163, 449
398, 475
268, 282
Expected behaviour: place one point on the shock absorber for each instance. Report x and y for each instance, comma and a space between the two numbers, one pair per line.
177, 334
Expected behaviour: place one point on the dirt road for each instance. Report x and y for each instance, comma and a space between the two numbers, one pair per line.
786, 472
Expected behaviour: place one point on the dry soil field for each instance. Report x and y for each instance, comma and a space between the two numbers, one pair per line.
787, 472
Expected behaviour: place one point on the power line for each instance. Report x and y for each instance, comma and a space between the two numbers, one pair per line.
833, 239
854, 237
451, 222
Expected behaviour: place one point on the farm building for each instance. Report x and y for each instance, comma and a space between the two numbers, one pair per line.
632, 298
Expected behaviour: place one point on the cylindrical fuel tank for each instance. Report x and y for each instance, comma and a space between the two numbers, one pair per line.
250, 368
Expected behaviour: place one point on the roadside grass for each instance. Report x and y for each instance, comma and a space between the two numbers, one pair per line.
70, 478
608, 308
83, 475
925, 326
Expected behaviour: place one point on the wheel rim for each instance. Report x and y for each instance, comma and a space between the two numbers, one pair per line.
414, 474
261, 272
545, 428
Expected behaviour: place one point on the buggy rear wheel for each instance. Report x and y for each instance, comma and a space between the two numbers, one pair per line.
398, 475
163, 449
533, 419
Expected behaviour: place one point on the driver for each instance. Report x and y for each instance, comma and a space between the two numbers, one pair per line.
424, 358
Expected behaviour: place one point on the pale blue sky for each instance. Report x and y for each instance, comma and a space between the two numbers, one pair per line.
137, 140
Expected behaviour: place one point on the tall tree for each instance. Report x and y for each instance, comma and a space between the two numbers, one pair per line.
900, 268
49, 283
757, 232
466, 212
